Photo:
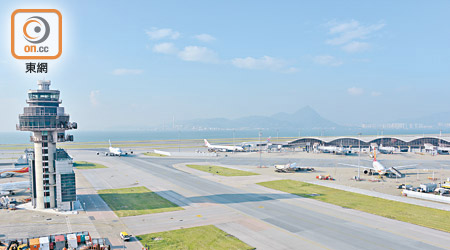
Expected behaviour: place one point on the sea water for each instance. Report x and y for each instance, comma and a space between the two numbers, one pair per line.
18, 137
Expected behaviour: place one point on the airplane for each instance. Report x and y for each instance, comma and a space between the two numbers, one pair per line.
291, 167
115, 151
221, 148
386, 150
379, 168
334, 150
9, 188
443, 150
10, 172
285, 168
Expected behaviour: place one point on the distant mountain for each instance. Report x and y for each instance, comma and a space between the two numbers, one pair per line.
304, 118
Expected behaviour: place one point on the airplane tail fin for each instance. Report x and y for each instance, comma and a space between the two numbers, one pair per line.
374, 154
110, 143
207, 143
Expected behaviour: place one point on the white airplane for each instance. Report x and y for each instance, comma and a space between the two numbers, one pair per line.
377, 167
9, 188
10, 172
386, 150
443, 150
115, 151
430, 148
289, 166
221, 148
334, 149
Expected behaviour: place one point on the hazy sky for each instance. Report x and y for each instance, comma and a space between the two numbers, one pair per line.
132, 64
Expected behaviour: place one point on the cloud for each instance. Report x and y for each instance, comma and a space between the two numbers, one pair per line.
120, 72
165, 48
265, 62
355, 91
375, 93
291, 70
327, 60
198, 54
93, 97
356, 47
157, 34
348, 35
205, 38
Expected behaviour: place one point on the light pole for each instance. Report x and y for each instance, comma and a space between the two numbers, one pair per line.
359, 155
179, 141
260, 134
277, 137
233, 143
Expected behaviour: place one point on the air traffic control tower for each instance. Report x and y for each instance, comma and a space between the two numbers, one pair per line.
48, 122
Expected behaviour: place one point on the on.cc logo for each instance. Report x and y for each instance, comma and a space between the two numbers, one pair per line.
36, 30
36, 34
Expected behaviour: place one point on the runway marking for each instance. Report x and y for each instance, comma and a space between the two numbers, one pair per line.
69, 227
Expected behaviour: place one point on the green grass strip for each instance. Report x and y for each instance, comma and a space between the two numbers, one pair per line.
136, 201
154, 154
419, 215
87, 165
221, 170
199, 238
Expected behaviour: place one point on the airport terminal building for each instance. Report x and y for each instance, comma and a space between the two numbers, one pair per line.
403, 142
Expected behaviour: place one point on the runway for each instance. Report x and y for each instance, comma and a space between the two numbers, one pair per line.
261, 217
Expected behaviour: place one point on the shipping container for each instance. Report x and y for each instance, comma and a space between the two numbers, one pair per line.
72, 241
44, 243
34, 243
60, 242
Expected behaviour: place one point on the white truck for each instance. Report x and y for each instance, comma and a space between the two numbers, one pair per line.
427, 188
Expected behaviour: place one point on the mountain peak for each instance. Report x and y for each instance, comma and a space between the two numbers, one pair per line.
306, 117
306, 109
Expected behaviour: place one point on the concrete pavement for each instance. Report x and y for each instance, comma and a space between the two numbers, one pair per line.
295, 221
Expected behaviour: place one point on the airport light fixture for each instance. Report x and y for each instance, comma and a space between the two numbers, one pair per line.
260, 134
359, 156
233, 138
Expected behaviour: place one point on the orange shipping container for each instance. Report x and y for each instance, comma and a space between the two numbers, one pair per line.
34, 243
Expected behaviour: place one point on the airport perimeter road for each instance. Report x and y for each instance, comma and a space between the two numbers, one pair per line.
313, 160
300, 224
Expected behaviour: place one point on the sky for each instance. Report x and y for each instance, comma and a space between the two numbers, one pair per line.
138, 64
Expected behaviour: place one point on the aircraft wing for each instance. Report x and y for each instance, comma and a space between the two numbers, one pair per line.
406, 166
355, 166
